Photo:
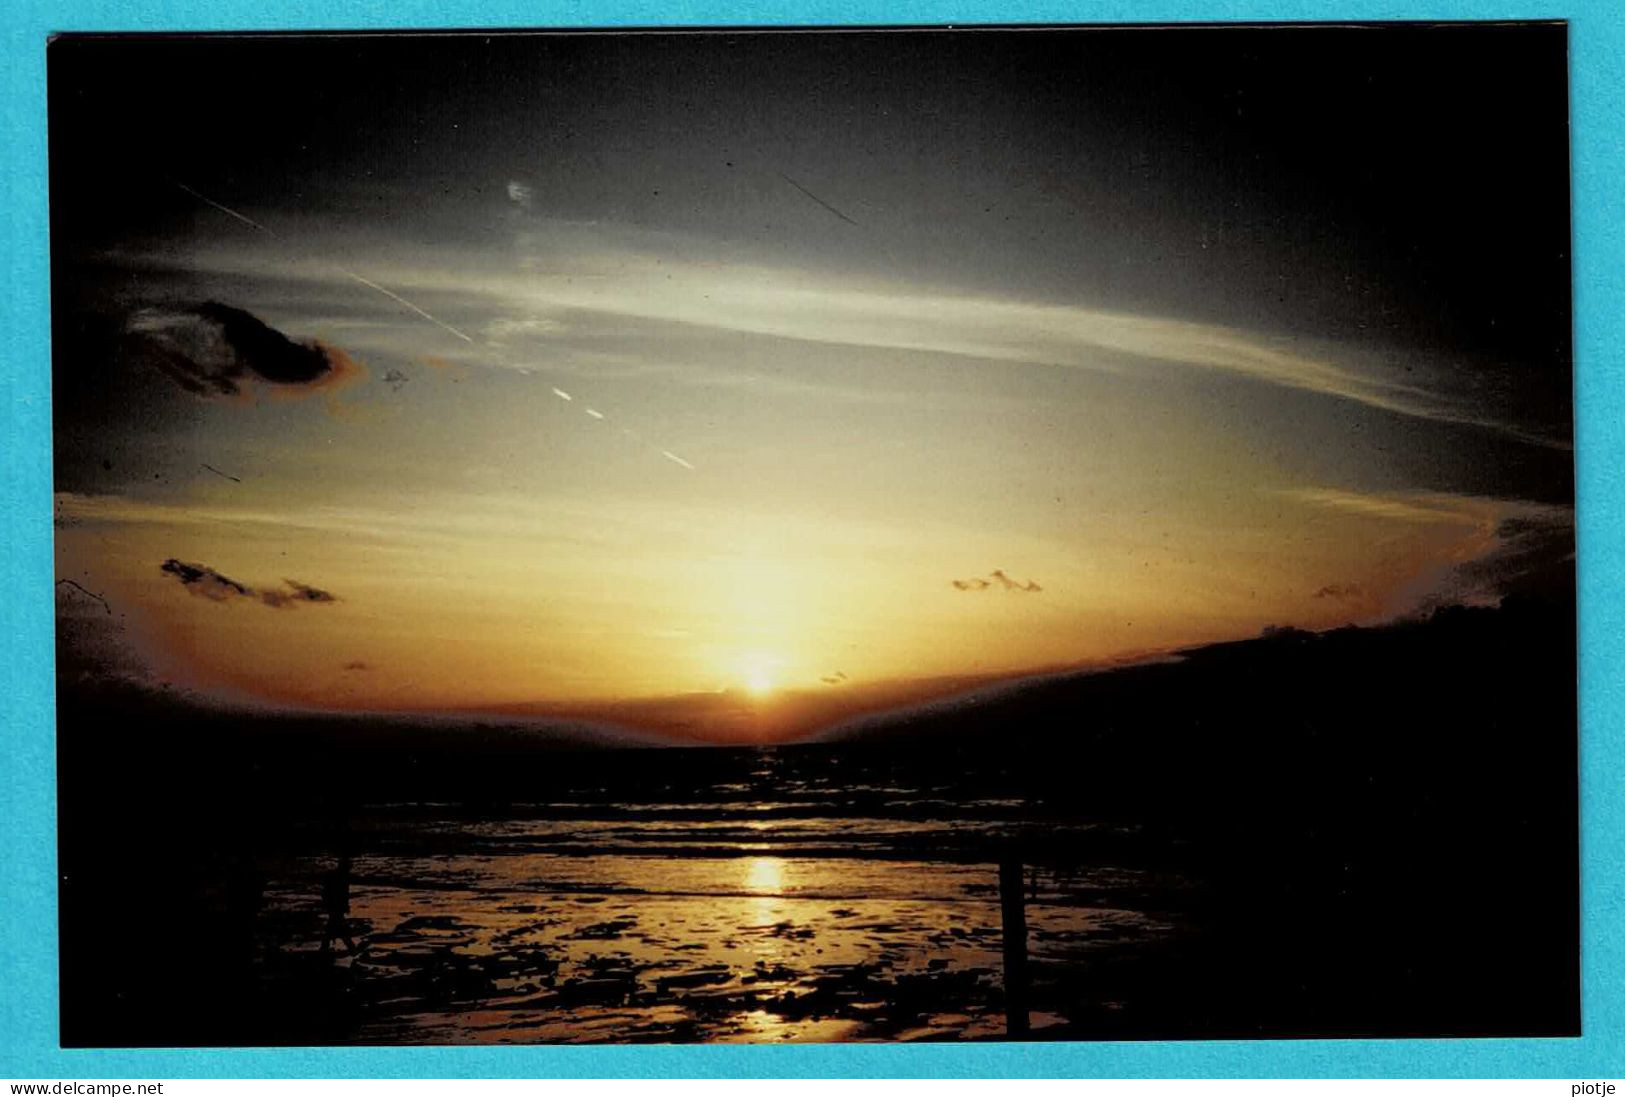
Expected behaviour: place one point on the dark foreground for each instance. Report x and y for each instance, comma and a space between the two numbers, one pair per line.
1366, 833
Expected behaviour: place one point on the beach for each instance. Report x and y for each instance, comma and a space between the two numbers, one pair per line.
732, 918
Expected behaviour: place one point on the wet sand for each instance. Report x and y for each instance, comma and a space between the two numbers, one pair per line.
558, 948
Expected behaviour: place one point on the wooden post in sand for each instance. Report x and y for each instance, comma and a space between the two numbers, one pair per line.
1012, 906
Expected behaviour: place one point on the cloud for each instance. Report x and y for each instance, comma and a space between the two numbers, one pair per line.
296, 593
357, 665
1497, 547
793, 305
834, 679
997, 575
213, 350
519, 194
1531, 554
1422, 508
205, 582
501, 331
1010, 584
569, 268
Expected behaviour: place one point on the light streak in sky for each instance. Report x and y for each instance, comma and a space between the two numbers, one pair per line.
423, 312
393, 296
227, 210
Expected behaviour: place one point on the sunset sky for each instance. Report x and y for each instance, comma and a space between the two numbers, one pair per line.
561, 373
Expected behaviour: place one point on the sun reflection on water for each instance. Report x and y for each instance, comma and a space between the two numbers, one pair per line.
764, 874
764, 883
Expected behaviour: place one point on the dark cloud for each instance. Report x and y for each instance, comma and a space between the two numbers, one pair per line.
997, 575
205, 582
297, 592
212, 350
1528, 555
1340, 591
308, 593
1533, 557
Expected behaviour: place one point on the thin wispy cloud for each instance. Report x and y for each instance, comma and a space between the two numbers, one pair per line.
504, 330
819, 308
1426, 508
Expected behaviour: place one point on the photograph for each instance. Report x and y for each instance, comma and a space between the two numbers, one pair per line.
813, 535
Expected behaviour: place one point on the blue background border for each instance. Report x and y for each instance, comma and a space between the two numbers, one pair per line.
28, 990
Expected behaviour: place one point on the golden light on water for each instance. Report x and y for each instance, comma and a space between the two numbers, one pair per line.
764, 875
764, 881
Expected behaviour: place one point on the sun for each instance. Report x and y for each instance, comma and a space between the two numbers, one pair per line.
758, 672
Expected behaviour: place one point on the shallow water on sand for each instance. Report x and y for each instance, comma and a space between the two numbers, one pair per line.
786, 918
